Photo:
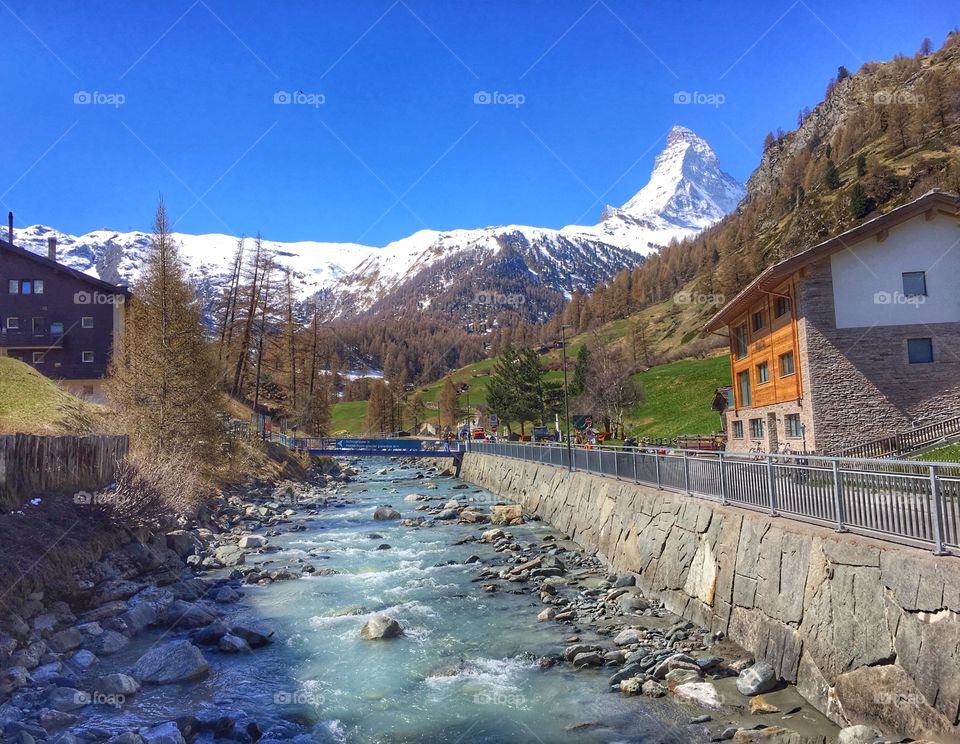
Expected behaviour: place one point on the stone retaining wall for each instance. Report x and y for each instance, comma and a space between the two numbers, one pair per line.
869, 632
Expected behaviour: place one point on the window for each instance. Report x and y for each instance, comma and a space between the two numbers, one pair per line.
914, 283
56, 328
793, 426
13, 323
86, 322
38, 286
14, 286
757, 320
39, 326
756, 428
743, 388
920, 350
25, 286
740, 341
738, 429
786, 364
763, 373
782, 307
38, 357
87, 357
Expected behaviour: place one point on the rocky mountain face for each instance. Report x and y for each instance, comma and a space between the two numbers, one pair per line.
463, 275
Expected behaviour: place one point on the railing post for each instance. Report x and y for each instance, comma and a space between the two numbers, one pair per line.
937, 511
838, 497
616, 464
723, 479
686, 472
656, 460
771, 487
636, 476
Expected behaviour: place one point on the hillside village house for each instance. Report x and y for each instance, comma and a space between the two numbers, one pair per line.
853, 339
62, 322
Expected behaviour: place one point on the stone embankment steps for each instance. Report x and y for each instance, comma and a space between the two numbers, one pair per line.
869, 632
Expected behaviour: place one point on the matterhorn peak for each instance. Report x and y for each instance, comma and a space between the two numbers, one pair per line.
687, 189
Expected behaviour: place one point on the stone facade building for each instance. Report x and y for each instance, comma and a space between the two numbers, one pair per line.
851, 340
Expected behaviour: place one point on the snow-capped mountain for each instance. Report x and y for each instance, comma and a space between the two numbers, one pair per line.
448, 272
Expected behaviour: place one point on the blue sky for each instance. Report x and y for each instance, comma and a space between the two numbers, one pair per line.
110, 104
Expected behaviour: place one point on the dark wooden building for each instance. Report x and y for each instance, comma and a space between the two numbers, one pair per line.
58, 320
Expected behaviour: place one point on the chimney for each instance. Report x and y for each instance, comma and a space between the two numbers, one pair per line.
52, 248
10, 228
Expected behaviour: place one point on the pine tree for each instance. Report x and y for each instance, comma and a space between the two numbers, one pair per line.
164, 381
859, 201
861, 165
578, 382
831, 177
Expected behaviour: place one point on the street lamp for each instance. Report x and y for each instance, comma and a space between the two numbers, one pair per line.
566, 398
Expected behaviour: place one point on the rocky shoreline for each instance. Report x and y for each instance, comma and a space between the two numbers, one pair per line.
50, 650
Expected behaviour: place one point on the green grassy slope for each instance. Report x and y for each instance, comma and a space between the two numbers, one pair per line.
678, 397
33, 404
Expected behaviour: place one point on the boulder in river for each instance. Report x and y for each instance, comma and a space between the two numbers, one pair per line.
761, 677
229, 555
380, 627
386, 513
165, 733
506, 514
252, 541
175, 661
117, 684
699, 693
255, 634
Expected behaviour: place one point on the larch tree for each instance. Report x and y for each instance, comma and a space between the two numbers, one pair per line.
165, 381
449, 403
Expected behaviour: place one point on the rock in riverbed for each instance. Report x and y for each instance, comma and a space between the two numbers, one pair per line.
379, 627
386, 513
761, 677
176, 661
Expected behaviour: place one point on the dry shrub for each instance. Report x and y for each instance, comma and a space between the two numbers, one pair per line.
153, 495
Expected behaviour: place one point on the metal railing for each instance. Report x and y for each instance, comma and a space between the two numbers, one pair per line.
906, 441
901, 501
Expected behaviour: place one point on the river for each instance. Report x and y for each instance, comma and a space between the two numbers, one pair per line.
466, 670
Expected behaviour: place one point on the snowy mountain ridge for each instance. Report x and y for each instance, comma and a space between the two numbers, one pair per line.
686, 192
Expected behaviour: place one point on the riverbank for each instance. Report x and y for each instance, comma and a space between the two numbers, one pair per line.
866, 630
250, 628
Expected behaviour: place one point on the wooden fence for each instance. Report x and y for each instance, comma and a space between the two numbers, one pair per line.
33, 465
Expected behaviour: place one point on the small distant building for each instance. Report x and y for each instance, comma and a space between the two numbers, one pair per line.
62, 322
853, 339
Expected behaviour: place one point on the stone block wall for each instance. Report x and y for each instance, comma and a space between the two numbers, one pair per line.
869, 632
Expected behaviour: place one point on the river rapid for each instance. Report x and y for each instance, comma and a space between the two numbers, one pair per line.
467, 668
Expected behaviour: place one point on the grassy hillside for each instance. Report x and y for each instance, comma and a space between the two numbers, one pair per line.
32, 404
678, 397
